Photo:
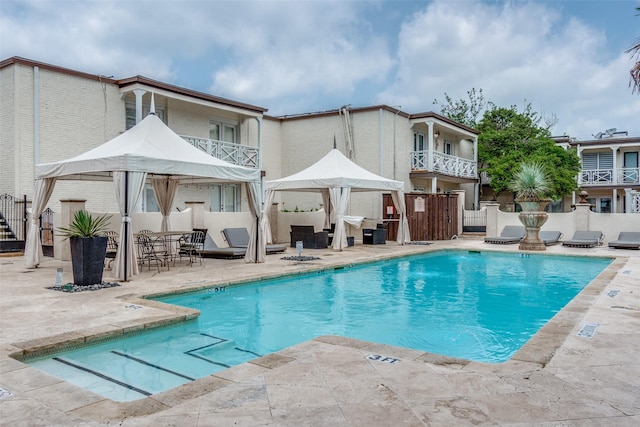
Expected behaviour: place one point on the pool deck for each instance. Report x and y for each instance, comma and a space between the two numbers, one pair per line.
557, 378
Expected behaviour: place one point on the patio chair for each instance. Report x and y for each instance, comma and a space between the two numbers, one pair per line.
191, 246
510, 234
550, 237
584, 239
112, 246
310, 239
211, 250
239, 238
147, 251
626, 240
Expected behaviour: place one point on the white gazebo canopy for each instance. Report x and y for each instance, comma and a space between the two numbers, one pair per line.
149, 150
336, 177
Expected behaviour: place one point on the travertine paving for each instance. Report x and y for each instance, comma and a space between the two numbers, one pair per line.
557, 378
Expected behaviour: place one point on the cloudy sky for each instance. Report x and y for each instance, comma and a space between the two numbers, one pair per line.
567, 58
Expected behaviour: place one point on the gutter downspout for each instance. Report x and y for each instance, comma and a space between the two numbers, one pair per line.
261, 201
381, 147
36, 115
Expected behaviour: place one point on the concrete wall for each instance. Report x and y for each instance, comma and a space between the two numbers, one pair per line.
570, 222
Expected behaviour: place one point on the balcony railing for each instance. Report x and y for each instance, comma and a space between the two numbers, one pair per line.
242, 155
445, 164
610, 176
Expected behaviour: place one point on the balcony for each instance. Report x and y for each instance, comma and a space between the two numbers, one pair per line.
237, 154
607, 177
444, 164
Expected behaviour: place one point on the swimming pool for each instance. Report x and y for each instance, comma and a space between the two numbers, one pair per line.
472, 305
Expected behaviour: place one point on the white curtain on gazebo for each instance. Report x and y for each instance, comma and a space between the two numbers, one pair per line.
33, 246
256, 250
326, 203
131, 184
165, 190
265, 226
404, 235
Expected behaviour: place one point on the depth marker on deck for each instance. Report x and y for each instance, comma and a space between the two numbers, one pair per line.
588, 330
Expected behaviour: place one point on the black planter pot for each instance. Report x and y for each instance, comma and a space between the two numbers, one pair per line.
87, 259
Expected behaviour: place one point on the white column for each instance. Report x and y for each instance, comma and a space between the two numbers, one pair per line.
430, 148
139, 93
615, 164
580, 173
476, 195
434, 185
614, 201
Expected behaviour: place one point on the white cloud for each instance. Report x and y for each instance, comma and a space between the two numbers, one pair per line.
514, 53
296, 57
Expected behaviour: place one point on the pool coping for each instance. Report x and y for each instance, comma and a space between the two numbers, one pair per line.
535, 354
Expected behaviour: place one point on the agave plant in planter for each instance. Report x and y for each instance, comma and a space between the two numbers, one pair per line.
88, 246
531, 185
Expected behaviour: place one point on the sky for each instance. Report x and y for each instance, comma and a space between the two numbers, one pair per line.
566, 58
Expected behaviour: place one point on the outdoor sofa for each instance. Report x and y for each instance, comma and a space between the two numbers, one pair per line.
310, 239
626, 240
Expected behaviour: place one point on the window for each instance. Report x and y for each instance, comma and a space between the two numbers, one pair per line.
149, 202
448, 148
225, 198
219, 131
418, 142
130, 114
593, 161
631, 167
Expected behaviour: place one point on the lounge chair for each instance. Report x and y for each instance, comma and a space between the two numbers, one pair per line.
211, 250
239, 238
585, 239
510, 234
626, 240
550, 237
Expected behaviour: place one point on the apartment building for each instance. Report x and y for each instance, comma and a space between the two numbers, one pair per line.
610, 170
50, 113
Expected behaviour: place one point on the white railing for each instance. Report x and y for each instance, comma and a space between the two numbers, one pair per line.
445, 164
635, 202
608, 177
243, 155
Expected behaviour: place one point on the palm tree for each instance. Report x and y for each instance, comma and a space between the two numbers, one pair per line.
634, 50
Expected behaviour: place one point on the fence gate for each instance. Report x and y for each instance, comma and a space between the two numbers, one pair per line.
13, 223
430, 216
475, 221
46, 232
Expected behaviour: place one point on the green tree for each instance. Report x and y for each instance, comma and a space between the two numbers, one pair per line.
509, 137
634, 50
464, 111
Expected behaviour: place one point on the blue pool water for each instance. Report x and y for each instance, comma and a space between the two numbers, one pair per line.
472, 305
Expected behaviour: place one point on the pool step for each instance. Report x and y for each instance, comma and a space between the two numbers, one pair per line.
125, 374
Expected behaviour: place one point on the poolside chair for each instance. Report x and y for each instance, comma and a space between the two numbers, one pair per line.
550, 237
510, 234
191, 246
585, 239
211, 250
147, 252
112, 247
239, 238
626, 240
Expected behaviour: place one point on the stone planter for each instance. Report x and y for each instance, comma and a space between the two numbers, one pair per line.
532, 217
87, 259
